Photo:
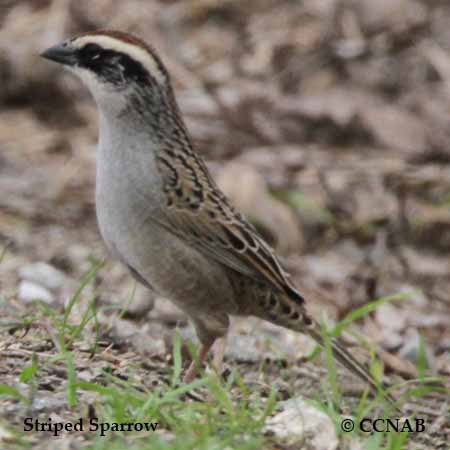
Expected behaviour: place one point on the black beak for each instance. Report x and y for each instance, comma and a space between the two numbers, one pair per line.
61, 53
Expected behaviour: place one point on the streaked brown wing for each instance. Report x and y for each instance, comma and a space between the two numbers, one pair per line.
198, 212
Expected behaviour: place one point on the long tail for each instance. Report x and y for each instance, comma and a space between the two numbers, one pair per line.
349, 361
289, 311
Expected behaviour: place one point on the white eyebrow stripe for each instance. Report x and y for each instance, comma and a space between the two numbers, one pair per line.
137, 53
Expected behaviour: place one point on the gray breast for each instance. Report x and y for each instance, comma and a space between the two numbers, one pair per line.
129, 204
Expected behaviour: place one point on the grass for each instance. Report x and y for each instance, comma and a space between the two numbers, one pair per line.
217, 423
209, 413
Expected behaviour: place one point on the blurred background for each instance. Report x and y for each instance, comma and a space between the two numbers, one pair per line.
325, 121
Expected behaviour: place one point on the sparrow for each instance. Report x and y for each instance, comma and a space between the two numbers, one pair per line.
161, 213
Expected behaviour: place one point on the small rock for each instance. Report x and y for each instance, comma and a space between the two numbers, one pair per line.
337, 264
29, 291
168, 313
141, 302
299, 419
125, 329
415, 295
86, 375
6, 435
395, 128
243, 349
412, 348
251, 340
426, 264
43, 274
356, 444
389, 339
394, 15
151, 339
391, 317
329, 267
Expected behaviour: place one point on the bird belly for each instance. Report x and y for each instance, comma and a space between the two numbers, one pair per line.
175, 270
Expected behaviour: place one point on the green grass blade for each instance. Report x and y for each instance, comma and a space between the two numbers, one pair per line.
11, 391
71, 380
84, 282
177, 363
28, 373
366, 309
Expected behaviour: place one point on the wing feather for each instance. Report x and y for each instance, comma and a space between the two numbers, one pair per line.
198, 212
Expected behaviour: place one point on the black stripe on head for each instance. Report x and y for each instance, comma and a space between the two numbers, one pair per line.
130, 39
113, 66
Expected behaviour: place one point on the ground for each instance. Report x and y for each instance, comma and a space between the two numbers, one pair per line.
327, 124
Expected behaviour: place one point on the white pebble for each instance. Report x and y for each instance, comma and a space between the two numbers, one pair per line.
29, 291
43, 274
299, 419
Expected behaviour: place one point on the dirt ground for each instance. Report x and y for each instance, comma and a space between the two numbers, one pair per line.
327, 122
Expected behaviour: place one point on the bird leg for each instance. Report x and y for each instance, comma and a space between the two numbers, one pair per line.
197, 362
218, 353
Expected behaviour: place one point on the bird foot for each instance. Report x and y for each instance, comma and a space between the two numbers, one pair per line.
218, 352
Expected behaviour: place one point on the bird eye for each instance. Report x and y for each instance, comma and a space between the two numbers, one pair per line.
91, 51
